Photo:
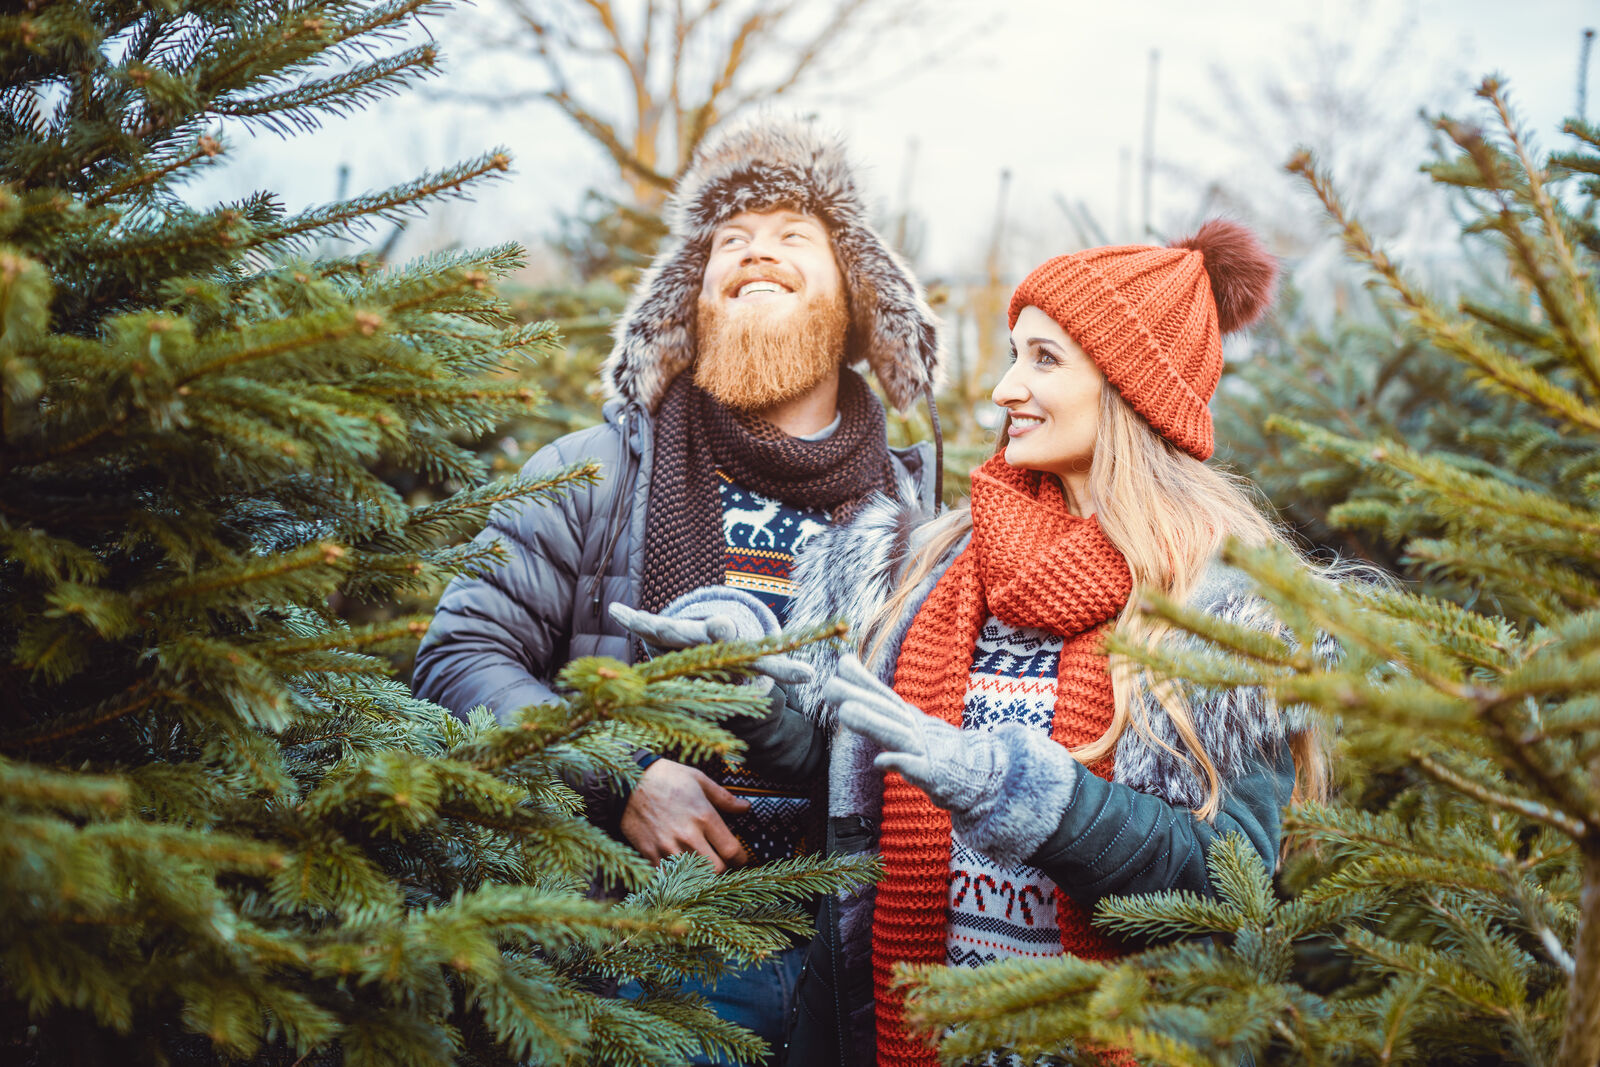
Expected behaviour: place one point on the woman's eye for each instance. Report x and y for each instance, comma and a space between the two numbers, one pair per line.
1045, 358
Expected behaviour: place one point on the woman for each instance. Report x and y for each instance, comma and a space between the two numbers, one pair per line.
1029, 774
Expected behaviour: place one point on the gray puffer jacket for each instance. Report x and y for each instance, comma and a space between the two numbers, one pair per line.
498, 639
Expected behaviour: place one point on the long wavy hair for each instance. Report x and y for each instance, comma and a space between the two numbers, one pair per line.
1168, 514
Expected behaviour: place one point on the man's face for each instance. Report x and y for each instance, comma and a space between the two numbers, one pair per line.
769, 262
772, 310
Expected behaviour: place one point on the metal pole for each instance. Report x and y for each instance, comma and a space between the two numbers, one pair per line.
1124, 193
1583, 74
1145, 229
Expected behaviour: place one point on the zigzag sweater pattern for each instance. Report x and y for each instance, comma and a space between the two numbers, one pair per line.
1030, 563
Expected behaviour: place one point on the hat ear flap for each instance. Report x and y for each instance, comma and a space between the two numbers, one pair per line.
656, 337
891, 325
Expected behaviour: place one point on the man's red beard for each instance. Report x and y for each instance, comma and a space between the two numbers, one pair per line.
756, 357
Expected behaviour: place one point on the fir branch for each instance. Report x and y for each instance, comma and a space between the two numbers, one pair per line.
310, 567
240, 854
730, 655
1519, 330
1544, 762
272, 339
1550, 589
1438, 969
206, 148
248, 687
639, 1033
496, 400
1577, 829
380, 576
1482, 496
50, 557
711, 1035
309, 334
1459, 339
201, 241
389, 205
586, 847
138, 697
296, 36
404, 628
532, 1015
28, 784
472, 507
1576, 298
1164, 915
300, 106
1486, 642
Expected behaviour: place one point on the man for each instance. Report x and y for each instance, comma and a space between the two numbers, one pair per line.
735, 430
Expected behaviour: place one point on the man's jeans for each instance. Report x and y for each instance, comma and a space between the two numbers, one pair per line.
759, 998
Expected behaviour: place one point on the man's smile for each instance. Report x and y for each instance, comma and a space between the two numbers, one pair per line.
761, 287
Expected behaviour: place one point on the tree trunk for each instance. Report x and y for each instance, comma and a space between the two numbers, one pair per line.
1580, 1041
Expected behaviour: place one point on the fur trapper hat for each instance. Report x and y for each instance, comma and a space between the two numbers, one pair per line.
757, 166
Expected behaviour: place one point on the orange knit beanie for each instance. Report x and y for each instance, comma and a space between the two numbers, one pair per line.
1152, 318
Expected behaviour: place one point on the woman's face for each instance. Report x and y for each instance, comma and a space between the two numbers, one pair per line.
1052, 393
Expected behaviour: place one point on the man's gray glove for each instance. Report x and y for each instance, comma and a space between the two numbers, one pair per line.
713, 613
962, 771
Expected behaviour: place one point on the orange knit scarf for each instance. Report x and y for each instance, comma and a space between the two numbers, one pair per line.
1030, 563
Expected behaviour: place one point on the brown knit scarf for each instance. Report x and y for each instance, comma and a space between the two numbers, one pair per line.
695, 435
1030, 563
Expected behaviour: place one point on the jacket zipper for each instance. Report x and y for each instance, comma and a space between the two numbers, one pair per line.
618, 515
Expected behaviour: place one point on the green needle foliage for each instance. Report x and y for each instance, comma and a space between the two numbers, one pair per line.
1446, 907
1187, 1002
227, 833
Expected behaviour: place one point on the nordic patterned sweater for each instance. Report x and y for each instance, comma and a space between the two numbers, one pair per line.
1000, 910
760, 538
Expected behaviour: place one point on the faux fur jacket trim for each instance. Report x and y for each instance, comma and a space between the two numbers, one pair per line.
756, 166
849, 572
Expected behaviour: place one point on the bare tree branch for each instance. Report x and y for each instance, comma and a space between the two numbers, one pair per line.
837, 26
687, 67
603, 133
733, 57
680, 33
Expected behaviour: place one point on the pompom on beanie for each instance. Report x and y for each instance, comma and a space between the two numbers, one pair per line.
1152, 318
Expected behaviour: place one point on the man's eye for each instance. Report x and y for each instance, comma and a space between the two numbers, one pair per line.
729, 239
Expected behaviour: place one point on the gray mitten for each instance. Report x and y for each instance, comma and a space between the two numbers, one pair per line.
959, 769
713, 613
1006, 790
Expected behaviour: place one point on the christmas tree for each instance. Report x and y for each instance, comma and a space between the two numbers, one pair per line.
227, 833
1446, 908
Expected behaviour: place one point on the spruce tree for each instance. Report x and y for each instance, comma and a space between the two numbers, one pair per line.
1446, 907
227, 832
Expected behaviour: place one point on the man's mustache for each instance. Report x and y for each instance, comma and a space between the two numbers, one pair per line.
784, 276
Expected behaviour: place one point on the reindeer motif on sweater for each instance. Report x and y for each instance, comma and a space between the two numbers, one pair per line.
761, 536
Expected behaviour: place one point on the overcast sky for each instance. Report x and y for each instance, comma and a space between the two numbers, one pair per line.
1052, 90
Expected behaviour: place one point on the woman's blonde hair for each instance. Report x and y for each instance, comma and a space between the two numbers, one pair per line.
1168, 514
